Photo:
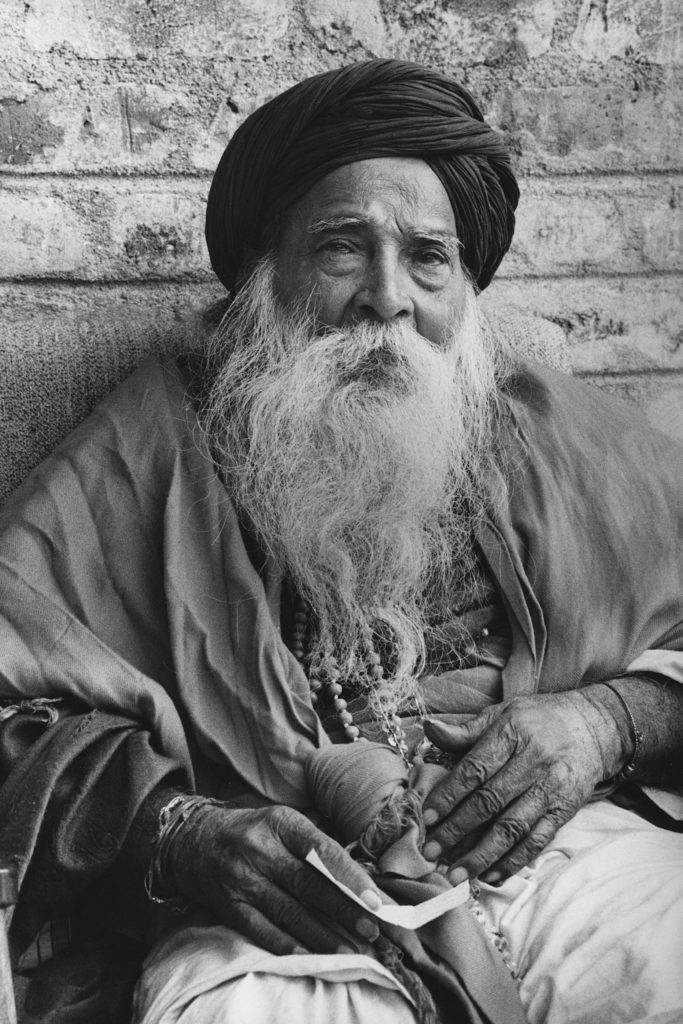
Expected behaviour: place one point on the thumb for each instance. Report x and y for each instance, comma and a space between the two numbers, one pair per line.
458, 737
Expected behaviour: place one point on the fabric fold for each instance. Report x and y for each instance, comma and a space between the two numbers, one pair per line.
126, 587
354, 785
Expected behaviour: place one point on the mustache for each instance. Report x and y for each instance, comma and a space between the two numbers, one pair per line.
360, 455
379, 367
379, 356
371, 339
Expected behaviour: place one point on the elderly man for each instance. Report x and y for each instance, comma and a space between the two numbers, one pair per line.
360, 518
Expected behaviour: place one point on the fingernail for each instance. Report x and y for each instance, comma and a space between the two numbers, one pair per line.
371, 899
344, 950
431, 850
458, 875
367, 929
429, 816
493, 877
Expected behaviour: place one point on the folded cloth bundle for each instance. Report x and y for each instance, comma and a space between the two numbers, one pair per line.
373, 803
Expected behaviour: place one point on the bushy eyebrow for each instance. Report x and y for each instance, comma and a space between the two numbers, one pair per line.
335, 224
349, 223
449, 238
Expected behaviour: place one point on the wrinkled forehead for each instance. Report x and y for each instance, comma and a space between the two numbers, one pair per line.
402, 191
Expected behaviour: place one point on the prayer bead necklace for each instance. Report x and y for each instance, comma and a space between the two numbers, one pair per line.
324, 675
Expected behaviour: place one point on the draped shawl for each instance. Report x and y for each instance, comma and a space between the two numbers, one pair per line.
126, 587
377, 108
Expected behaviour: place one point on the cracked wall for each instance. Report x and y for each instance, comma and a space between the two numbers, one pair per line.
113, 114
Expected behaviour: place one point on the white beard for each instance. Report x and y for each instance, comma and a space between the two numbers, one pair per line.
360, 457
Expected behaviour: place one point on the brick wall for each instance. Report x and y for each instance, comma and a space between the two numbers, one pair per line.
113, 114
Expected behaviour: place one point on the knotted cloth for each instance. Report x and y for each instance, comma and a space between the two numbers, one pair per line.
358, 786
377, 108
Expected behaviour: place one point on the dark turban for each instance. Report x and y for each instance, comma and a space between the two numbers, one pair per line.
379, 108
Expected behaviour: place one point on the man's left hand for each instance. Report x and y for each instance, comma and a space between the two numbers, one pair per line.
527, 766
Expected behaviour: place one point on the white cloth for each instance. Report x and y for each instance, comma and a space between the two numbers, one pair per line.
208, 974
664, 663
592, 931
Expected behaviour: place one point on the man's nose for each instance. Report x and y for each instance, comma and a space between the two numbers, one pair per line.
384, 294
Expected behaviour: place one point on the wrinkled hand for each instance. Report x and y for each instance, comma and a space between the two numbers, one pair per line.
247, 867
528, 765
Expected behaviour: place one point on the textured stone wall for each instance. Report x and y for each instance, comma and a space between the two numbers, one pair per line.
113, 114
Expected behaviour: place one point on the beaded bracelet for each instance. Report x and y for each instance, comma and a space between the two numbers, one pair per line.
629, 769
173, 816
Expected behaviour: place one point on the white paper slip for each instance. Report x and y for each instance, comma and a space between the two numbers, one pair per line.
405, 916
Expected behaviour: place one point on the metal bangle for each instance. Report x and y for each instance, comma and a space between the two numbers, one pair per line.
629, 769
172, 817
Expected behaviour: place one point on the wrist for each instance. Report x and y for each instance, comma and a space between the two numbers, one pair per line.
175, 847
625, 749
611, 728
631, 766
138, 846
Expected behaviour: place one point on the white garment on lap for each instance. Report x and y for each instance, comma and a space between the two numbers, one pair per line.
663, 662
208, 974
272, 999
593, 931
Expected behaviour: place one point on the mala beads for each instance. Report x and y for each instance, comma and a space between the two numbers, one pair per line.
396, 737
324, 675
325, 672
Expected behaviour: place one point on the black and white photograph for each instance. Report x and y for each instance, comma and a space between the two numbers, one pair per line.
341, 512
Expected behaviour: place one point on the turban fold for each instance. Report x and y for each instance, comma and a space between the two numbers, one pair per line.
378, 108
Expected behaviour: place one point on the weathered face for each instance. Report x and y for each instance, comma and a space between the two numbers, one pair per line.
375, 240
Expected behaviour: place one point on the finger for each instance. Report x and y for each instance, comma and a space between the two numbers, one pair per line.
322, 896
255, 926
512, 827
484, 805
299, 835
487, 757
458, 733
302, 880
529, 848
456, 855
346, 870
450, 718
293, 918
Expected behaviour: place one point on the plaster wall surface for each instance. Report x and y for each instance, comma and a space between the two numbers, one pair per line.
113, 114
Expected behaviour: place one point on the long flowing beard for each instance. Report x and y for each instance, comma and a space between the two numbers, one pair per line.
359, 456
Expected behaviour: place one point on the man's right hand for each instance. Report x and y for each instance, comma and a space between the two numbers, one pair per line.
247, 866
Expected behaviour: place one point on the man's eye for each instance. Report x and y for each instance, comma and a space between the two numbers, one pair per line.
337, 247
431, 257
